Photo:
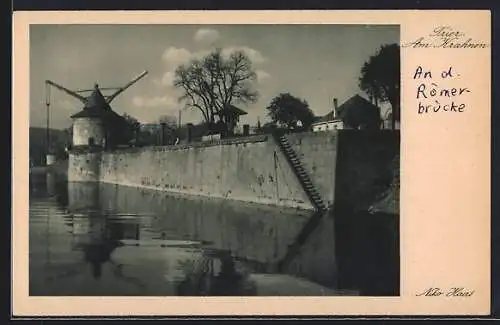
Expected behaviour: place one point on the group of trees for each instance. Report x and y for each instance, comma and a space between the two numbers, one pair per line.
165, 130
380, 78
38, 148
215, 82
289, 112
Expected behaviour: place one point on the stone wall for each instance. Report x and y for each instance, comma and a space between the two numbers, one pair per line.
84, 167
350, 166
248, 169
318, 153
350, 169
367, 244
85, 128
365, 167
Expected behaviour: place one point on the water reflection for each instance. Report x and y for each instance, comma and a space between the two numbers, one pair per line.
101, 239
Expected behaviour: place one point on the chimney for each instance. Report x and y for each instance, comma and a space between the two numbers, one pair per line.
335, 106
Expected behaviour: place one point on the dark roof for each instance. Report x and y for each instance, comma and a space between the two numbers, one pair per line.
326, 118
107, 115
97, 106
355, 111
96, 99
233, 109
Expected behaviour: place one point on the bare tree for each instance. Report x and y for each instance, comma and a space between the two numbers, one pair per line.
214, 82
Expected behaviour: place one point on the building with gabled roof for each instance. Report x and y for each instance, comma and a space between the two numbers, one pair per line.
231, 116
355, 113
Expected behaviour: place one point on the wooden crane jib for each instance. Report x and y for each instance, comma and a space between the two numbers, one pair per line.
109, 98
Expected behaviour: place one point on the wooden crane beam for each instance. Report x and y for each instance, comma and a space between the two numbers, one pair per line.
101, 89
122, 89
67, 91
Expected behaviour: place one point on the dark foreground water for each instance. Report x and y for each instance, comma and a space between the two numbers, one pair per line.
107, 240
102, 239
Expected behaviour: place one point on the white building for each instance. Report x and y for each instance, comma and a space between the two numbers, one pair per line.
330, 121
328, 125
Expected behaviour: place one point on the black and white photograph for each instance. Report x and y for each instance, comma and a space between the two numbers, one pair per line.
214, 160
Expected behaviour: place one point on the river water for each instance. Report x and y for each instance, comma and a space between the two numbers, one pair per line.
89, 239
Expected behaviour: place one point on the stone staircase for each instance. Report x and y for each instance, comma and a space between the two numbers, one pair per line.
312, 194
300, 172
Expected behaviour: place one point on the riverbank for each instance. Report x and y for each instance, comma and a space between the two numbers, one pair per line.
301, 170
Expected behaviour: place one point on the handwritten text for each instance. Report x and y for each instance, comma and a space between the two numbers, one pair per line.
433, 94
445, 37
451, 292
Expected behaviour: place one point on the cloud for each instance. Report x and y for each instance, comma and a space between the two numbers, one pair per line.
155, 101
174, 56
166, 80
262, 75
206, 35
254, 55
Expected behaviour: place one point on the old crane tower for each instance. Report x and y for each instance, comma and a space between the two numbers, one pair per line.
97, 125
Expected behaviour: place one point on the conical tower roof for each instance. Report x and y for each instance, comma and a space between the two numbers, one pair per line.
95, 106
96, 99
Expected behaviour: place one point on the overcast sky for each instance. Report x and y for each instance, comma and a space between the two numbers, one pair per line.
313, 62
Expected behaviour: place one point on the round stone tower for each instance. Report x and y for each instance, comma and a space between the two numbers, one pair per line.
89, 139
88, 124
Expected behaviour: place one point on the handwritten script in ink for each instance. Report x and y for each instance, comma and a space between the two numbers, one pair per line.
446, 37
450, 292
434, 96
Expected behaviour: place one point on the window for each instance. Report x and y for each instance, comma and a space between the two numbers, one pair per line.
91, 141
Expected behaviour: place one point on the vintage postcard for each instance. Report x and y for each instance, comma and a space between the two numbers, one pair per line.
251, 163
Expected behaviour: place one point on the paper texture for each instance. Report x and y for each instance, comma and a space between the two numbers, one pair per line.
445, 168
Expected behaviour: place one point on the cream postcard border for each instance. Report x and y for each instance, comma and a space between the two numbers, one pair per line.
445, 174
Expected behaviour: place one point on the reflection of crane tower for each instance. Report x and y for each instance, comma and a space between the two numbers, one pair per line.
97, 124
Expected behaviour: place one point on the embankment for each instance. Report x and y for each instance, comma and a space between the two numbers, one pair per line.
350, 169
252, 169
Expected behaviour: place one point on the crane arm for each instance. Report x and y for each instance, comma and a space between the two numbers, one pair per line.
122, 89
67, 91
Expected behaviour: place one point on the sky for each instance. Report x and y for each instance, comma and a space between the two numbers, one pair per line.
312, 62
